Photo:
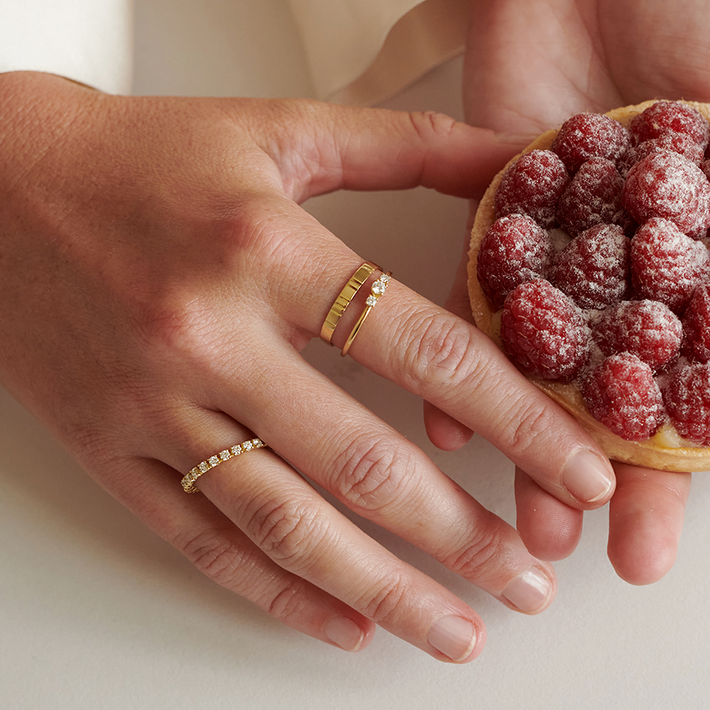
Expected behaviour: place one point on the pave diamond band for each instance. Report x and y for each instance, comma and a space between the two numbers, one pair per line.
188, 481
377, 290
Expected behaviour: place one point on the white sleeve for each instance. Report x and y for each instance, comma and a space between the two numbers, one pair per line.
362, 51
89, 41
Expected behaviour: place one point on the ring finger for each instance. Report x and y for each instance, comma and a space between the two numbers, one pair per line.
288, 521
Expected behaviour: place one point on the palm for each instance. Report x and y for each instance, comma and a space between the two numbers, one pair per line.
532, 63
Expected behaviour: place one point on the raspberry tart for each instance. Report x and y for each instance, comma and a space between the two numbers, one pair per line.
590, 268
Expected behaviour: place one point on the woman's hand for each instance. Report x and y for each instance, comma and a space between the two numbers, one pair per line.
159, 281
530, 64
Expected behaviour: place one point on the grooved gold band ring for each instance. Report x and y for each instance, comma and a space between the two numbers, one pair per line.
345, 298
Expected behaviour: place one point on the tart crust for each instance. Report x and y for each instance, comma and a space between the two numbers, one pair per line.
664, 451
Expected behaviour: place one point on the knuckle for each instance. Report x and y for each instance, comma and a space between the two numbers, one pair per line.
484, 551
214, 555
532, 425
287, 531
177, 323
372, 475
440, 350
385, 603
288, 602
432, 123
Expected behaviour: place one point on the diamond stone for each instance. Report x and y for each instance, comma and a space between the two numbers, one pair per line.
225, 455
236, 450
247, 446
204, 467
378, 288
371, 301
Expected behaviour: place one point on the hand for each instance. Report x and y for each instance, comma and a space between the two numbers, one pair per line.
530, 65
159, 280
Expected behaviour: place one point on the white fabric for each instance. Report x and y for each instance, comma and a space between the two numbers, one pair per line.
361, 51
89, 41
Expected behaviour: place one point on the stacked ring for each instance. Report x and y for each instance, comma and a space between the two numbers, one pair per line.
188, 481
376, 292
344, 299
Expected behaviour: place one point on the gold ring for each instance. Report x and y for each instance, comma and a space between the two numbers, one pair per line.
376, 292
188, 481
344, 298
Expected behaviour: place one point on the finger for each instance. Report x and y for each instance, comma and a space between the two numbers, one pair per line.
645, 522
452, 365
375, 149
226, 555
444, 431
550, 529
290, 523
382, 476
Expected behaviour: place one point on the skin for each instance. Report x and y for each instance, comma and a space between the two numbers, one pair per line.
159, 280
529, 65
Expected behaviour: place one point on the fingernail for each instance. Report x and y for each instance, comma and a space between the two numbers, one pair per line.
587, 477
529, 592
453, 636
344, 632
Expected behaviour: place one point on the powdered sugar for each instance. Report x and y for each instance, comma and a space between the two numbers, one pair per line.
633, 296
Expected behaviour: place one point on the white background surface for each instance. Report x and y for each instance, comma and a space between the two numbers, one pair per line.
97, 613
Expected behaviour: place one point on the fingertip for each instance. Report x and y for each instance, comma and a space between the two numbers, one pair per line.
549, 528
348, 634
445, 432
638, 558
456, 639
532, 591
588, 478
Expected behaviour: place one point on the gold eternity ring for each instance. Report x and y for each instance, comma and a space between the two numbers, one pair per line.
189, 479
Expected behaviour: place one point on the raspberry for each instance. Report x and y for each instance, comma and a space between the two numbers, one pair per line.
532, 186
675, 142
667, 117
687, 399
594, 196
667, 265
590, 135
647, 329
515, 249
665, 184
593, 269
544, 332
696, 325
622, 394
